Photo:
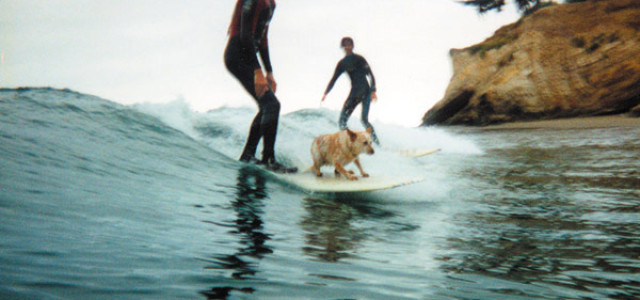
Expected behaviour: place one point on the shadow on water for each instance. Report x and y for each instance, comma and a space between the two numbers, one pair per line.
248, 226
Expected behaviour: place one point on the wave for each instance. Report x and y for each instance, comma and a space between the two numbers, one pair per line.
100, 136
225, 129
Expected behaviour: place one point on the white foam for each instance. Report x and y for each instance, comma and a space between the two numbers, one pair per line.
177, 114
226, 129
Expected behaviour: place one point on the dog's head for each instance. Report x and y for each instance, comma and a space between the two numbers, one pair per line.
361, 141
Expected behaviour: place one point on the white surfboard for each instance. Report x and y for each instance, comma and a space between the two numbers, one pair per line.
331, 184
418, 153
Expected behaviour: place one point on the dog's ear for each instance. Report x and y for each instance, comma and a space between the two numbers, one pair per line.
369, 130
352, 135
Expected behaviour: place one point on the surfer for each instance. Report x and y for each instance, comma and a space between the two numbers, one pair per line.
361, 91
248, 36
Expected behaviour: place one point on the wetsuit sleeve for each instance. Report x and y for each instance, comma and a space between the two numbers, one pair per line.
264, 51
336, 74
373, 79
246, 31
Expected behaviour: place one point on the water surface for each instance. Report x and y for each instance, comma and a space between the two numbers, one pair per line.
103, 201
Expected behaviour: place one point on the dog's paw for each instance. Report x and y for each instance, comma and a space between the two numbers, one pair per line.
351, 172
365, 175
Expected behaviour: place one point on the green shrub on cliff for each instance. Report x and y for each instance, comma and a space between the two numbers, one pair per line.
525, 6
491, 44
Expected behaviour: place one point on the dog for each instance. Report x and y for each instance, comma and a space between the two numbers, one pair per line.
339, 149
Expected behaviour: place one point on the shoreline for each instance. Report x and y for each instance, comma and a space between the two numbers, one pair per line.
622, 120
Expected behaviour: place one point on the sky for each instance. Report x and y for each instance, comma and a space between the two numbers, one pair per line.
158, 51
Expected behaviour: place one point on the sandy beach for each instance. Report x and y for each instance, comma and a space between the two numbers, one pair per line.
623, 120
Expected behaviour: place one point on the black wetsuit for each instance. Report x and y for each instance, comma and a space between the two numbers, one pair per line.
248, 36
358, 69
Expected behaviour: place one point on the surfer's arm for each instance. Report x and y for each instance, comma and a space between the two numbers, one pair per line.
336, 74
372, 79
246, 32
263, 49
250, 48
266, 60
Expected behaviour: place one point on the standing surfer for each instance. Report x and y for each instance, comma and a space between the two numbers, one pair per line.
361, 91
248, 36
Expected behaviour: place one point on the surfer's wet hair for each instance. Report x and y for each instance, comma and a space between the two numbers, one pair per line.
346, 41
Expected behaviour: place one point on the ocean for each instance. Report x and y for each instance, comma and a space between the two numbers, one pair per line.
100, 200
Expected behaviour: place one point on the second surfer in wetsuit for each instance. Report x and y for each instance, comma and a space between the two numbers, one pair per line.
361, 92
248, 36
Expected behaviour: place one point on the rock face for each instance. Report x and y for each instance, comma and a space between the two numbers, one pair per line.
566, 60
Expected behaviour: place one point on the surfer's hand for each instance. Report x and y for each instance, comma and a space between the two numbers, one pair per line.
260, 82
374, 97
323, 96
271, 81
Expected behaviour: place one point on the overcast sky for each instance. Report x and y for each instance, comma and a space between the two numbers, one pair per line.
134, 51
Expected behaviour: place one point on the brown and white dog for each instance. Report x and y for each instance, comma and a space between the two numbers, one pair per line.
339, 149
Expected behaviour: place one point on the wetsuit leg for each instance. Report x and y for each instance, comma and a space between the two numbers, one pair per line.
270, 109
265, 123
253, 139
365, 118
347, 110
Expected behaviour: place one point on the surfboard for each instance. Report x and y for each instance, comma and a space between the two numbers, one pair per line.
331, 184
418, 153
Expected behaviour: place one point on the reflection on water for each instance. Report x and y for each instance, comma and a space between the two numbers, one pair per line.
248, 227
562, 218
330, 236
536, 218
332, 232
550, 242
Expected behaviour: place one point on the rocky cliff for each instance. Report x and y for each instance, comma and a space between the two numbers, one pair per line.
566, 60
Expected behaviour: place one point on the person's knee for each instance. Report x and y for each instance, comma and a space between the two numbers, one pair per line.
342, 122
270, 103
270, 107
366, 124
